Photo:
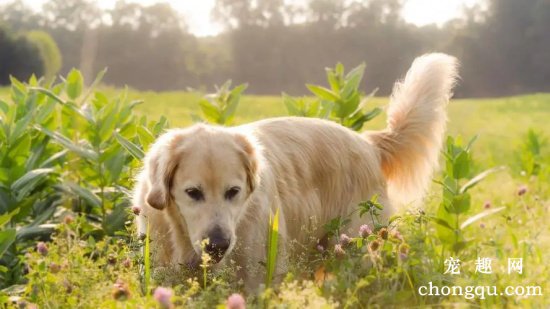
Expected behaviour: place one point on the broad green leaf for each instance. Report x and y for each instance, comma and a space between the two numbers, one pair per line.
461, 165
480, 216
323, 93
358, 124
472, 182
291, 105
210, 112
67, 143
272, 248
333, 80
49, 93
4, 107
42, 231
460, 204
20, 126
441, 222
353, 79
7, 237
145, 136
96, 82
74, 84
18, 91
85, 194
53, 158
21, 147
29, 181
132, 148
5, 218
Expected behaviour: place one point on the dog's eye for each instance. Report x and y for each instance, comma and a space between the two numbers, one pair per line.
231, 193
195, 193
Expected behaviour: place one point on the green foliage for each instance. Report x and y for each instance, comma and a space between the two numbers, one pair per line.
49, 52
63, 146
342, 102
456, 199
19, 57
272, 247
220, 107
530, 154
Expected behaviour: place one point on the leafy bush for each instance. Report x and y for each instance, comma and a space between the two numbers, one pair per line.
456, 199
61, 146
530, 155
343, 102
220, 107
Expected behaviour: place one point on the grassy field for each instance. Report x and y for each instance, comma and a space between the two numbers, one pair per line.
500, 123
521, 230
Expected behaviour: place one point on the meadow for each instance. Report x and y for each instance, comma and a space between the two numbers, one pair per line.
92, 262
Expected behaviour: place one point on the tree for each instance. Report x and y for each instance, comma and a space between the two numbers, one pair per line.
49, 52
18, 57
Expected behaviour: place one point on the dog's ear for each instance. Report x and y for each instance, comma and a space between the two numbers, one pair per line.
161, 163
249, 158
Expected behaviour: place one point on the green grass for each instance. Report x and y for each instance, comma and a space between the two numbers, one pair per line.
500, 123
87, 272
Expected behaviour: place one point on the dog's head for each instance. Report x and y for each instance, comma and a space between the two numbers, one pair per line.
208, 174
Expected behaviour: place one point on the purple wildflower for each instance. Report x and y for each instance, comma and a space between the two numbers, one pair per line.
236, 301
364, 231
42, 248
163, 296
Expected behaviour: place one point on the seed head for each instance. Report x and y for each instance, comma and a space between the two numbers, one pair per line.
383, 233
127, 263
522, 190
120, 290
54, 268
374, 245
68, 219
487, 204
136, 210
42, 248
364, 231
235, 301
162, 296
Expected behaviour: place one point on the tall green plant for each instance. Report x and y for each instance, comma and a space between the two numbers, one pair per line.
456, 201
530, 155
28, 179
95, 130
342, 102
220, 107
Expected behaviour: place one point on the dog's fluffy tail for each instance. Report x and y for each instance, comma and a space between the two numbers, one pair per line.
410, 145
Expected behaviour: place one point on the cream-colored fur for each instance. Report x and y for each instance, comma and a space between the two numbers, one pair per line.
312, 170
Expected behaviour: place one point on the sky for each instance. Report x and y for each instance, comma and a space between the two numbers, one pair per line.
197, 12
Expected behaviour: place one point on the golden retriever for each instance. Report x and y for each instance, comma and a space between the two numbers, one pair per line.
222, 184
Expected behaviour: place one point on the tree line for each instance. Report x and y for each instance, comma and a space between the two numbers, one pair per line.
274, 46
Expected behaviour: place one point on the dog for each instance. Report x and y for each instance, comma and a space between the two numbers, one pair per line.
224, 183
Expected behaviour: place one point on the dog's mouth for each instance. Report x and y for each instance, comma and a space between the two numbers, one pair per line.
216, 257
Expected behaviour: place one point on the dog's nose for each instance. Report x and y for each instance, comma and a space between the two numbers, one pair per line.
217, 245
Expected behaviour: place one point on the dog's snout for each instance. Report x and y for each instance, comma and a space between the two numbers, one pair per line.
218, 244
